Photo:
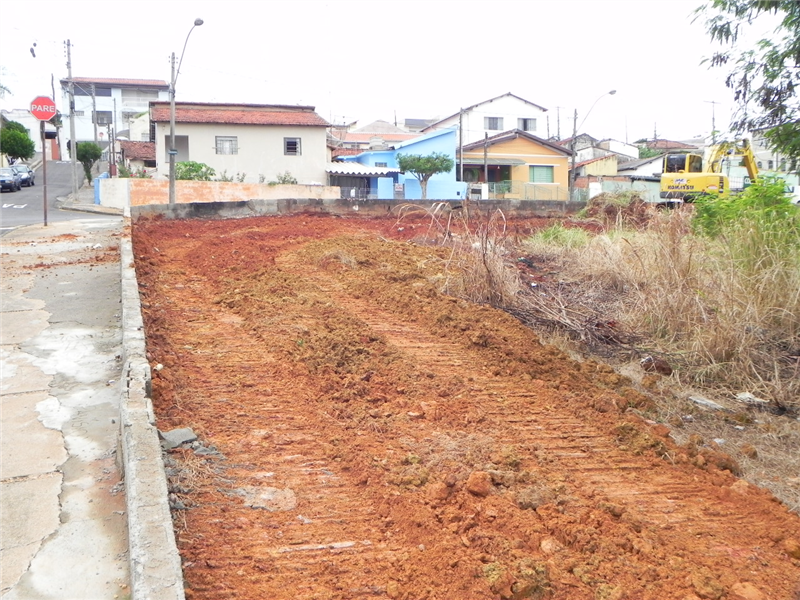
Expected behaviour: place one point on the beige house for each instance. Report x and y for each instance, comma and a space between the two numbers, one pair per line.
518, 165
253, 143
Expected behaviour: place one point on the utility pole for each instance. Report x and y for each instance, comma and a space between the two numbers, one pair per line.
94, 113
73, 150
713, 120
172, 151
486, 158
558, 122
112, 137
572, 160
461, 144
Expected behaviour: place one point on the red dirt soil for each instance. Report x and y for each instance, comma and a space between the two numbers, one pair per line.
381, 440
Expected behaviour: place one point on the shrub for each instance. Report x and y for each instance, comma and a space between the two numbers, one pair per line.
193, 171
285, 178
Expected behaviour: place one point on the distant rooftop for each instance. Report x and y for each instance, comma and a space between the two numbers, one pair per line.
238, 114
117, 82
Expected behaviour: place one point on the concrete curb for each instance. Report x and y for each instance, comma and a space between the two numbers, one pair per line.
155, 564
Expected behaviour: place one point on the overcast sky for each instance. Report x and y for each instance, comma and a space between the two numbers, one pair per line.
387, 59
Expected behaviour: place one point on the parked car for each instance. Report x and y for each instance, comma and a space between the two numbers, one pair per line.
10, 179
26, 174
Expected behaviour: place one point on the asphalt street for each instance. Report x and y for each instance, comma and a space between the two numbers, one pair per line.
26, 207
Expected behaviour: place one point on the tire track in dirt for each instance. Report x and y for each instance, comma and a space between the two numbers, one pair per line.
271, 444
231, 381
660, 498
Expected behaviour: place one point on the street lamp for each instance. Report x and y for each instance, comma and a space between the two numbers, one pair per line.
172, 151
575, 134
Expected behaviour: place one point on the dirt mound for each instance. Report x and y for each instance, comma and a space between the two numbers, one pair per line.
623, 209
374, 438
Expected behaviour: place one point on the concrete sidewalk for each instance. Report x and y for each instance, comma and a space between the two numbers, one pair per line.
84, 202
63, 533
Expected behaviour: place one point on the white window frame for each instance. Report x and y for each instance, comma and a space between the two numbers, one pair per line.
107, 115
496, 121
226, 144
288, 142
526, 124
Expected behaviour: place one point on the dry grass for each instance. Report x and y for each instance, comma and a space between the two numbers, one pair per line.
724, 313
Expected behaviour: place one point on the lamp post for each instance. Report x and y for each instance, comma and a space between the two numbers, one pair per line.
574, 135
174, 77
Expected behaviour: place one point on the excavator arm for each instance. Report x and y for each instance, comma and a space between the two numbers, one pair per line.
725, 150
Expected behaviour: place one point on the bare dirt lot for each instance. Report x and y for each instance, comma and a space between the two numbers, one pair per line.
362, 435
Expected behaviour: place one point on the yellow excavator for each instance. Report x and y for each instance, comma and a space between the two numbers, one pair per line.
684, 177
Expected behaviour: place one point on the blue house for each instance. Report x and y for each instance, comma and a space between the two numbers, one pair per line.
394, 185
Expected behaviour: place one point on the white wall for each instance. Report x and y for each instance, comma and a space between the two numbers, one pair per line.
620, 148
139, 129
509, 108
260, 150
125, 107
649, 169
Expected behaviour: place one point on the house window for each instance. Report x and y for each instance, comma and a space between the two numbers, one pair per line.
102, 117
541, 174
381, 164
493, 123
291, 146
526, 124
85, 89
227, 144
770, 165
78, 113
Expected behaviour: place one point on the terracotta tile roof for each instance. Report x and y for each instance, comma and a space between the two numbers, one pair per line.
593, 160
138, 150
238, 114
111, 81
346, 151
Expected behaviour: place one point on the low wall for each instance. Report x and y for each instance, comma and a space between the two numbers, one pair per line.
344, 207
124, 192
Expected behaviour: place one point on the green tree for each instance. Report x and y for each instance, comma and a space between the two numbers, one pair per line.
765, 77
190, 170
645, 152
15, 126
16, 144
425, 167
88, 153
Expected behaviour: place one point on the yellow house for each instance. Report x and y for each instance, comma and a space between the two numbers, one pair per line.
518, 165
602, 165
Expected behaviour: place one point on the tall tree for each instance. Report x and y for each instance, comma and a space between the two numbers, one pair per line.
425, 167
15, 141
764, 77
88, 153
